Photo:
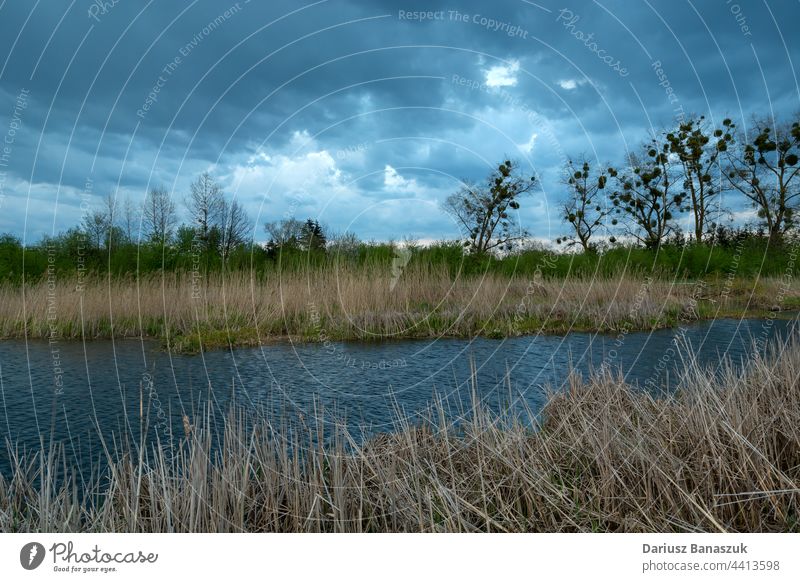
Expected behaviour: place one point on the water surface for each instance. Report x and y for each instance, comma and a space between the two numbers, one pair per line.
64, 392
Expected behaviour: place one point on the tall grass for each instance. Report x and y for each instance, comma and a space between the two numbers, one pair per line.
720, 454
351, 302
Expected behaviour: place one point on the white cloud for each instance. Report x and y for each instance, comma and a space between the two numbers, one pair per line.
285, 184
274, 185
528, 146
302, 140
285, 174
570, 84
394, 182
502, 75
260, 155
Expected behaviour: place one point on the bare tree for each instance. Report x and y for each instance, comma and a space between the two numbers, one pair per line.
484, 212
584, 208
285, 232
765, 169
129, 218
110, 209
158, 216
96, 225
235, 227
343, 245
205, 204
100, 224
114, 234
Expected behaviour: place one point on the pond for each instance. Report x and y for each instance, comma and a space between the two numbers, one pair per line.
71, 392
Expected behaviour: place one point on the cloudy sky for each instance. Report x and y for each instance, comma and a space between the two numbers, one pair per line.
364, 115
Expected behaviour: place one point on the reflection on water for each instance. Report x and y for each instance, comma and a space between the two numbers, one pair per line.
66, 391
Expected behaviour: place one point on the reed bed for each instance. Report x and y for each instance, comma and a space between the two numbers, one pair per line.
722, 453
364, 303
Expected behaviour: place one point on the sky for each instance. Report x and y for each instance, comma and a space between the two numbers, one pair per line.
362, 115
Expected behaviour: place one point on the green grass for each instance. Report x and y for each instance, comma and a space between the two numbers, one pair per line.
748, 256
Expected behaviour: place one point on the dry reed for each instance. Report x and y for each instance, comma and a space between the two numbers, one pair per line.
359, 303
720, 454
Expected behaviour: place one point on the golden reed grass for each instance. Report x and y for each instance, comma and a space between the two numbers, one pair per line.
364, 303
720, 454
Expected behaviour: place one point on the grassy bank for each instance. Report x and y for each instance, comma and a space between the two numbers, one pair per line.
370, 303
721, 454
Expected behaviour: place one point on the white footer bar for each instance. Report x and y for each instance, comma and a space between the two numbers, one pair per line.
351, 557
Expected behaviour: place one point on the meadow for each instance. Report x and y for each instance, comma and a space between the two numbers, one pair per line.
362, 304
383, 291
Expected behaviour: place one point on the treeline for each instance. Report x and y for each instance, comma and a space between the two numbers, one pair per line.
741, 252
695, 169
621, 217
683, 170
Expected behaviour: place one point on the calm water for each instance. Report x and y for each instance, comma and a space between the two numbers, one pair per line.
67, 390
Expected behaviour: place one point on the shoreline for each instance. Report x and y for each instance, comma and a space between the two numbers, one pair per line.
188, 345
360, 306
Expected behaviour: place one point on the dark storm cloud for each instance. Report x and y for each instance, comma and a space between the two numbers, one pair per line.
127, 95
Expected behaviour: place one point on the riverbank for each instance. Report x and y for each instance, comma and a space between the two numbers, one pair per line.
721, 454
188, 314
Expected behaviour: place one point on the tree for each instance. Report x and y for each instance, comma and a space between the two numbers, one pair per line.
765, 169
646, 195
205, 204
312, 237
158, 216
12, 255
584, 208
185, 240
129, 219
235, 227
484, 212
284, 233
114, 236
343, 245
698, 166
96, 224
